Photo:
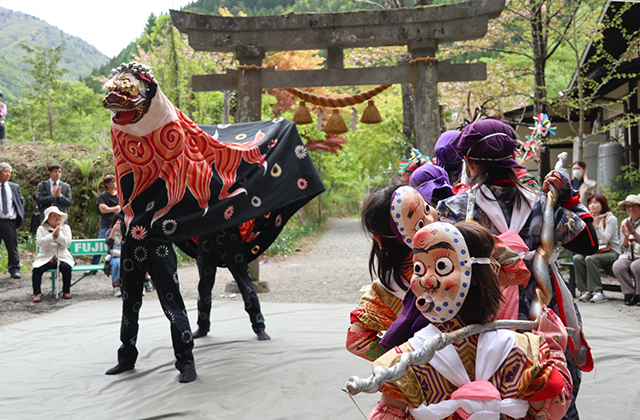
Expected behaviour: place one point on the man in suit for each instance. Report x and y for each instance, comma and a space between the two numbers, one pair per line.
53, 192
11, 217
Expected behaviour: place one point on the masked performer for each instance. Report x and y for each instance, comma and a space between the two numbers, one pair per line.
226, 248
390, 262
177, 182
484, 375
392, 217
515, 213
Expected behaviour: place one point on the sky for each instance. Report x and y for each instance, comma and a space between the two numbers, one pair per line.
108, 26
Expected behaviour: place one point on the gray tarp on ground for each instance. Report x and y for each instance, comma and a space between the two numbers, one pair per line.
53, 366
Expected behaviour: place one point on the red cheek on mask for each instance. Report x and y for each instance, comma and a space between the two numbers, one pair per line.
450, 289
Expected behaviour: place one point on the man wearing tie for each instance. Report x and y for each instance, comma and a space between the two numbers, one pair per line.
53, 192
11, 217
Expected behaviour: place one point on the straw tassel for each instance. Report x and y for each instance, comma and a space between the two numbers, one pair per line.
335, 124
371, 115
302, 115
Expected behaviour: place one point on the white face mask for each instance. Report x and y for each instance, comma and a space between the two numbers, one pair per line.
578, 173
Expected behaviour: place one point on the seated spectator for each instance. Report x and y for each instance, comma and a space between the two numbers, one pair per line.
114, 243
53, 239
630, 251
587, 267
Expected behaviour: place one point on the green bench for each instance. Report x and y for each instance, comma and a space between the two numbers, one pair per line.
82, 248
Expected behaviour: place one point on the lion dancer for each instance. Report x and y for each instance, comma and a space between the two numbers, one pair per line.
178, 182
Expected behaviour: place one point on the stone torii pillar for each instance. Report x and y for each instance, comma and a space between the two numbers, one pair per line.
421, 29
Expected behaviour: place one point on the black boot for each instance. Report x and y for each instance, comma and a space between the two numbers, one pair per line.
200, 332
627, 299
118, 369
188, 375
635, 300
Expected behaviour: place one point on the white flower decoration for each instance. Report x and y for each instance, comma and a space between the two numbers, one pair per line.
300, 151
169, 226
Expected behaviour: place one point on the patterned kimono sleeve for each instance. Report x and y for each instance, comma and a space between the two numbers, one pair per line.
546, 378
377, 310
453, 209
408, 389
511, 264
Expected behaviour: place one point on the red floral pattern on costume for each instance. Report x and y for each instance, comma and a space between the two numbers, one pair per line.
302, 183
138, 232
184, 156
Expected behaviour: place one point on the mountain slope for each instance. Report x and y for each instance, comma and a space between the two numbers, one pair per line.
18, 28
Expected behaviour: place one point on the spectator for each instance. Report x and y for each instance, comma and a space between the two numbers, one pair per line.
11, 218
587, 267
114, 242
3, 115
53, 192
108, 205
53, 239
579, 181
628, 260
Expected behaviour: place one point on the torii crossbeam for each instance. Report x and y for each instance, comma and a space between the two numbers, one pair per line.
421, 29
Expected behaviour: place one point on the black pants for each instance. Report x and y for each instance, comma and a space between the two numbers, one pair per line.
9, 235
225, 248
138, 257
65, 270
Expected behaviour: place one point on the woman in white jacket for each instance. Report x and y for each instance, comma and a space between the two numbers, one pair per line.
588, 266
53, 238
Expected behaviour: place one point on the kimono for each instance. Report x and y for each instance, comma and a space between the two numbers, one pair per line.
378, 308
570, 221
527, 368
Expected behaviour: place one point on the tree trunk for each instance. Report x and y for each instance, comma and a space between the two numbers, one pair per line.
225, 107
49, 115
539, 43
175, 67
408, 117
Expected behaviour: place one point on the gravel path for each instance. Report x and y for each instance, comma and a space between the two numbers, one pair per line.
329, 268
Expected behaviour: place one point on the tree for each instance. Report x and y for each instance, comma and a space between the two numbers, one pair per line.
533, 30
614, 43
46, 74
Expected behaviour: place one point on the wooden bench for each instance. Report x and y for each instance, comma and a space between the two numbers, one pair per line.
572, 278
82, 248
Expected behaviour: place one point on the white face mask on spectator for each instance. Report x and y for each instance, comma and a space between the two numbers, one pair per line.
578, 173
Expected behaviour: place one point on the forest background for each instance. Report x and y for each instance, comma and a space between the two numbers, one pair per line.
55, 119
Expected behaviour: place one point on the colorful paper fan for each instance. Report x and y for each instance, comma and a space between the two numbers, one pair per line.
529, 149
542, 126
417, 159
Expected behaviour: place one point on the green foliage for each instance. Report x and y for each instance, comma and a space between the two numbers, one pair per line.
53, 109
19, 28
295, 229
99, 75
182, 258
626, 184
275, 7
174, 62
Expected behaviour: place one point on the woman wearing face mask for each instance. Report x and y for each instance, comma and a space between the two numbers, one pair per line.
588, 266
581, 183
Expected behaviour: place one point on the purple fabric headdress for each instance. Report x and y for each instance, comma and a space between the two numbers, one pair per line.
446, 155
428, 178
488, 141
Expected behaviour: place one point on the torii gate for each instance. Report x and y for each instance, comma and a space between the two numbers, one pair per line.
421, 29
